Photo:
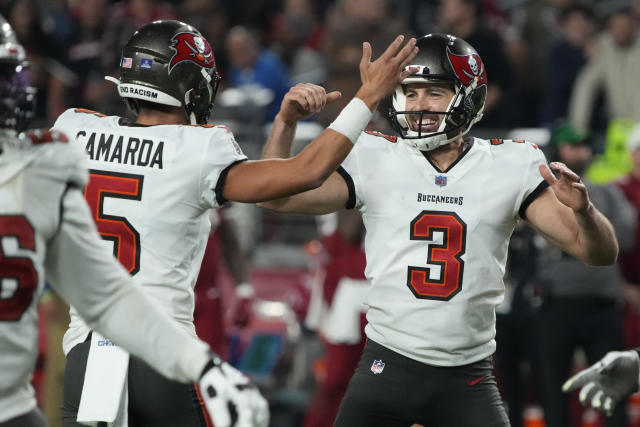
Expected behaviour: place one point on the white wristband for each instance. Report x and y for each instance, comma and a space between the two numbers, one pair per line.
352, 119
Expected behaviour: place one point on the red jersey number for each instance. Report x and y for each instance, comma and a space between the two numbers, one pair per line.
18, 275
125, 238
447, 255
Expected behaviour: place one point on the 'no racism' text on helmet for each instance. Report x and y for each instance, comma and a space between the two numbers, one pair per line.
169, 63
17, 96
442, 59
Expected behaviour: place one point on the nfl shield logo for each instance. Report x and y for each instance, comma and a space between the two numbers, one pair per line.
377, 367
441, 180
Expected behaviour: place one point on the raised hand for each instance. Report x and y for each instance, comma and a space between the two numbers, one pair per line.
607, 382
303, 100
382, 76
567, 186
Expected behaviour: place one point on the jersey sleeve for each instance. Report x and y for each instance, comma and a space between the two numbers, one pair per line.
86, 274
533, 183
221, 153
59, 157
350, 172
77, 174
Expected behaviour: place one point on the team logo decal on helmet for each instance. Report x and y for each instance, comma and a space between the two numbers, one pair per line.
467, 68
191, 47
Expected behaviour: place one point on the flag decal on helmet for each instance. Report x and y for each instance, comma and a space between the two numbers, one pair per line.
467, 68
191, 47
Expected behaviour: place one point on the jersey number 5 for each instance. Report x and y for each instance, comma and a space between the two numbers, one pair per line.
447, 255
125, 238
18, 275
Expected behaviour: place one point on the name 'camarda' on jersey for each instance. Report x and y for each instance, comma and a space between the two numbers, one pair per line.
150, 189
130, 150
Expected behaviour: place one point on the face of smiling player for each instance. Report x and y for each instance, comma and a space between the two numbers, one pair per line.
427, 96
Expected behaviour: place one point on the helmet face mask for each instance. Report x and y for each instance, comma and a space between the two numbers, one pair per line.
442, 59
169, 63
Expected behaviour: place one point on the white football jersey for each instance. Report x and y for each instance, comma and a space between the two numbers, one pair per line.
149, 190
46, 230
436, 241
28, 220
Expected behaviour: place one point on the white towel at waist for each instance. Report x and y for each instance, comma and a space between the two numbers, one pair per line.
104, 392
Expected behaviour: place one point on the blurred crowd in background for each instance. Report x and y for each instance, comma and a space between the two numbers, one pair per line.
563, 74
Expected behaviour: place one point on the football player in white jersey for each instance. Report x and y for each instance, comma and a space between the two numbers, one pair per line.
46, 231
153, 181
439, 209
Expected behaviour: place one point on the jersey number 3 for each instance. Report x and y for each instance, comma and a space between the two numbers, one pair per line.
125, 238
447, 255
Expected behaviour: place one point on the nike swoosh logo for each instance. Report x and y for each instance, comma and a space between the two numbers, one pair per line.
475, 381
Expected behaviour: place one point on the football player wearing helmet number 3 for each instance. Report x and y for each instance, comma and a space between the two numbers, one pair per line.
152, 183
439, 209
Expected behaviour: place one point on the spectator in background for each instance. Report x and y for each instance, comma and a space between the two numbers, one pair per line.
293, 31
252, 66
630, 259
208, 315
78, 76
348, 24
613, 69
515, 358
211, 18
582, 304
565, 58
24, 18
124, 18
463, 18
340, 320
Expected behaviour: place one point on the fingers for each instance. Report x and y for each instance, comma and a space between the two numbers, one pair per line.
587, 392
547, 175
608, 406
407, 53
392, 48
579, 379
409, 70
596, 401
564, 171
366, 55
333, 96
311, 98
